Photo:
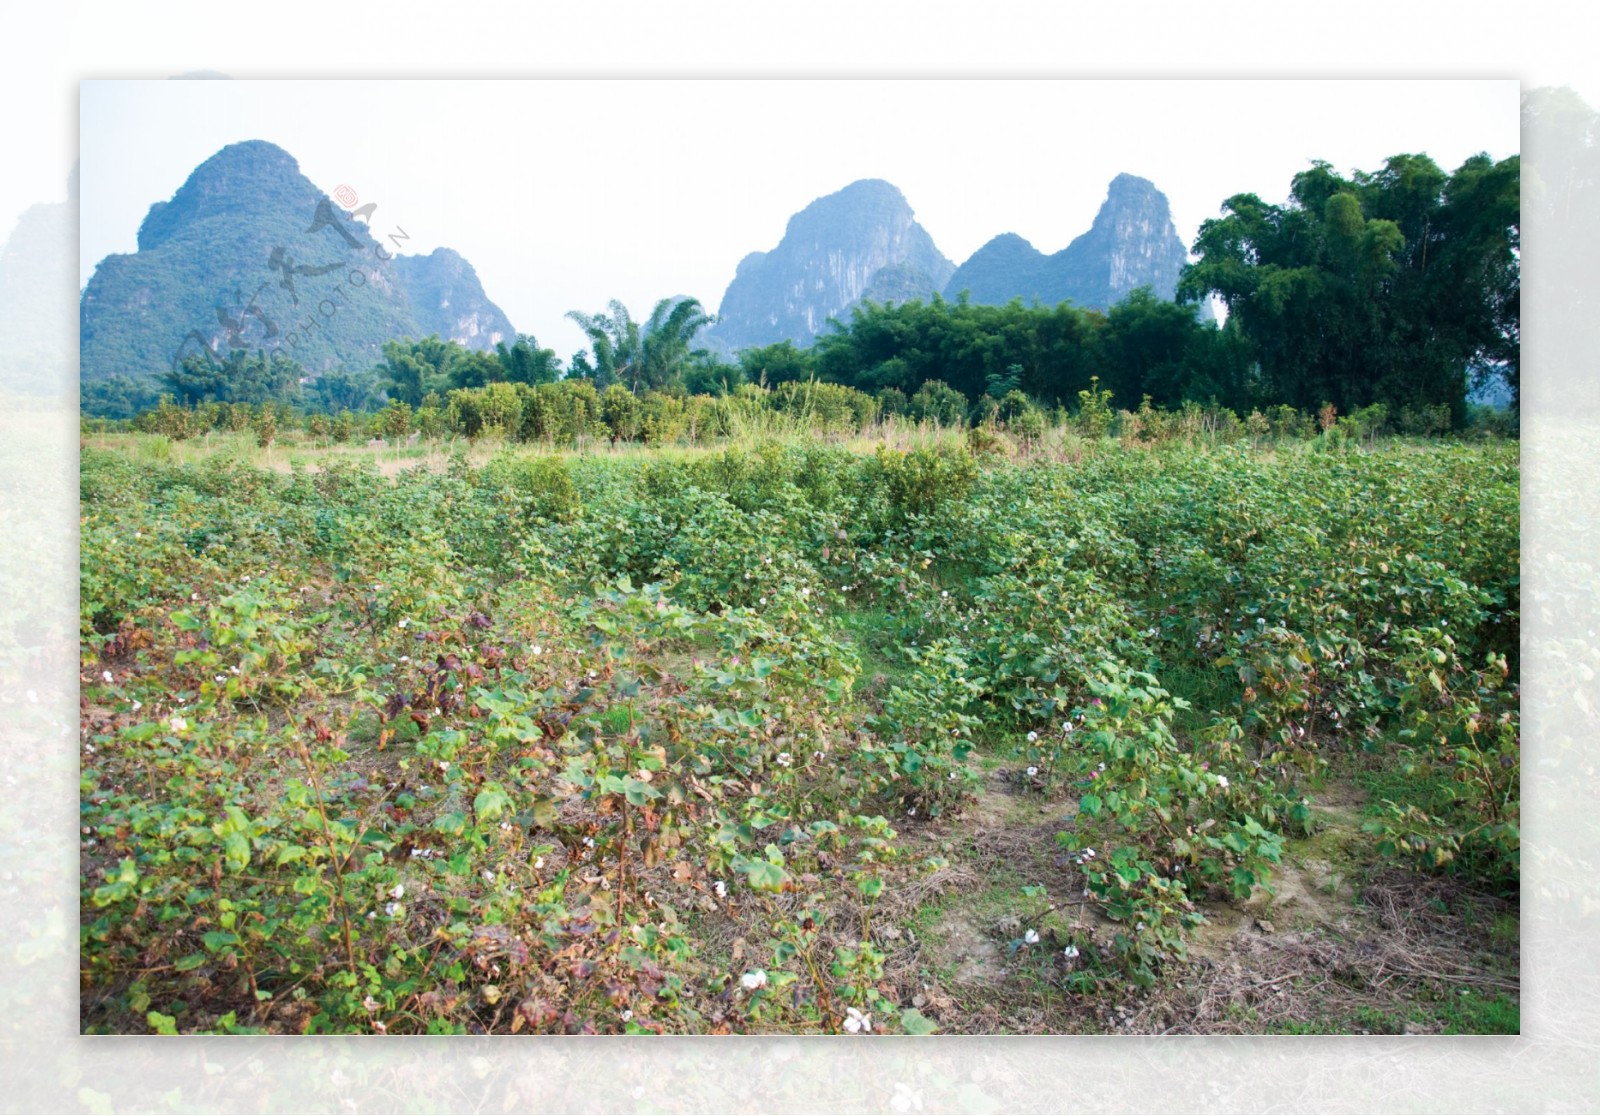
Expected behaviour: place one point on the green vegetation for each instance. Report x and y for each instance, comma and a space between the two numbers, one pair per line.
1376, 300
249, 254
1382, 288
712, 741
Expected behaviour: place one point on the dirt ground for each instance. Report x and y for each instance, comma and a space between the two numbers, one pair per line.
1336, 946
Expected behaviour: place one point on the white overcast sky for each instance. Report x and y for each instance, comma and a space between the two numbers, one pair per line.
565, 194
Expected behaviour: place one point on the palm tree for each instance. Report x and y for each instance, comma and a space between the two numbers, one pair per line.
615, 339
642, 359
672, 326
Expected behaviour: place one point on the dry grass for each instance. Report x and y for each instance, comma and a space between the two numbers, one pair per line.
1331, 962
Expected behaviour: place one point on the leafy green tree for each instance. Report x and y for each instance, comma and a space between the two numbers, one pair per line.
118, 397
615, 341
412, 369
524, 362
1050, 351
340, 389
664, 351
196, 380
343, 427
1383, 287
265, 426
395, 419
472, 369
645, 358
708, 374
1001, 384
620, 409
1146, 344
776, 364
243, 377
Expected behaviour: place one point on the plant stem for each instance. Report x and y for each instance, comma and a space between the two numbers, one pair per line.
333, 852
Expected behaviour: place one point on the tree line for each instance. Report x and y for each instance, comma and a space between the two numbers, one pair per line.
1397, 288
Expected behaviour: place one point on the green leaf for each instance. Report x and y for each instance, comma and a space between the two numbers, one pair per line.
236, 851
120, 887
491, 802
764, 875
913, 1022
193, 961
1090, 804
639, 792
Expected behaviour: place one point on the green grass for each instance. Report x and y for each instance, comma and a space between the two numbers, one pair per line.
867, 629
1395, 784
1455, 1012
1204, 689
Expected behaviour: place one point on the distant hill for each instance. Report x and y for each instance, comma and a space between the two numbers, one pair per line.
447, 299
861, 242
250, 254
1132, 243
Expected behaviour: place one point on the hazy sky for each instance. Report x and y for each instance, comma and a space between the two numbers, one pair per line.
565, 194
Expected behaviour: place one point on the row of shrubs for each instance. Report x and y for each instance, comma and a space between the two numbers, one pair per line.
570, 412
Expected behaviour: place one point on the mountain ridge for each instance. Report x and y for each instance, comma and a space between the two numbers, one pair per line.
249, 253
1131, 243
827, 260
863, 243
